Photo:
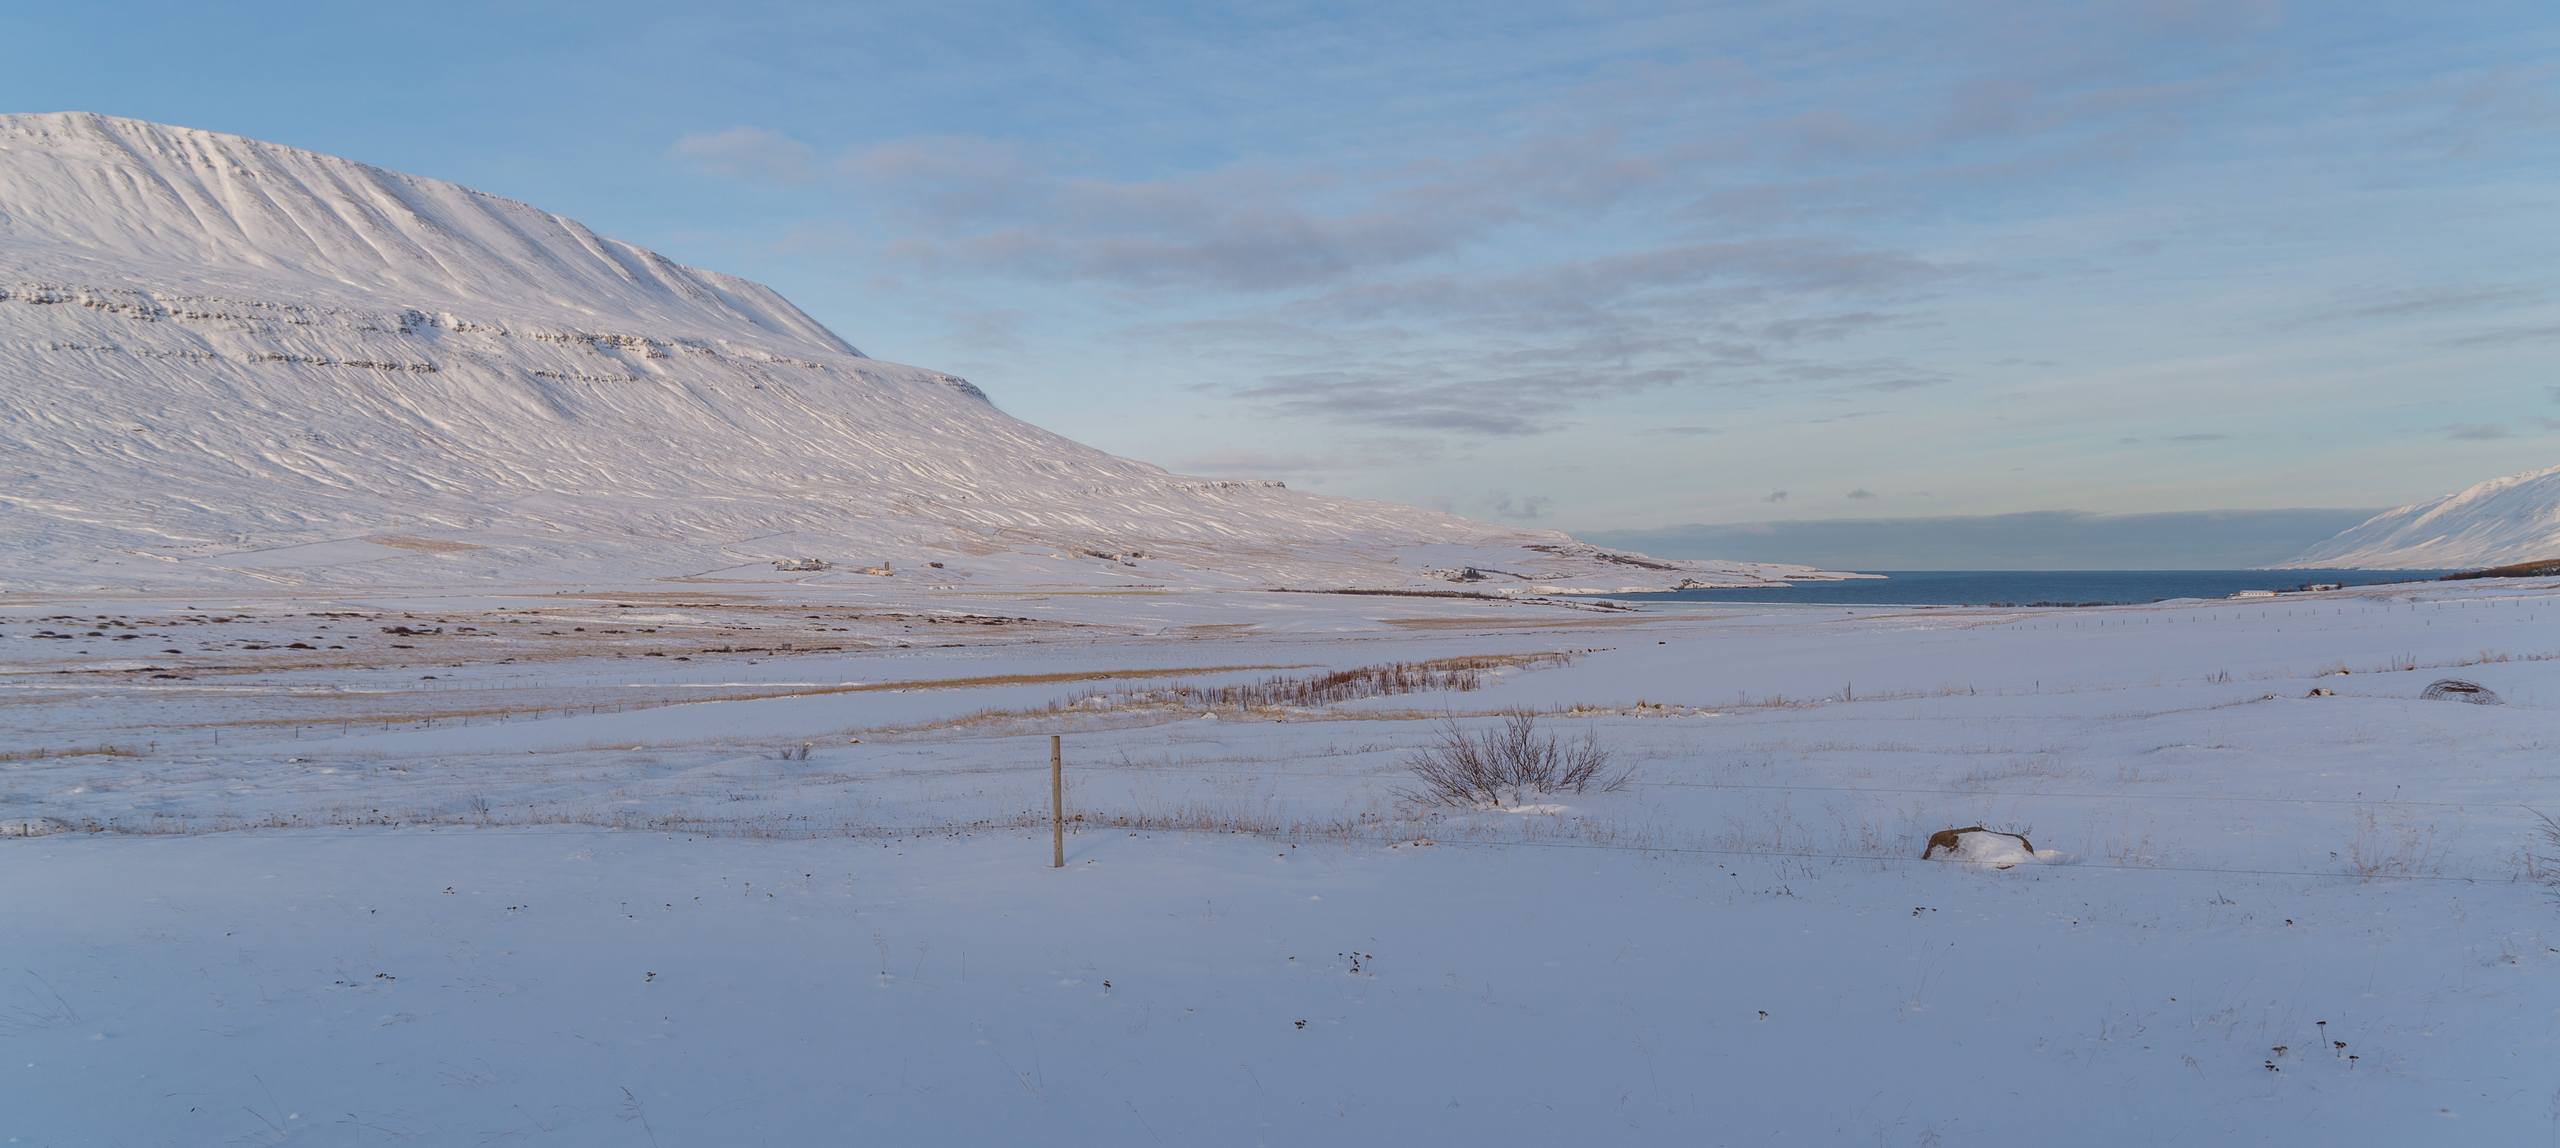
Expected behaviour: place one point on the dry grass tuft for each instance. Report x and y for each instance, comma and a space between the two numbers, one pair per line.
2403, 848
2540, 856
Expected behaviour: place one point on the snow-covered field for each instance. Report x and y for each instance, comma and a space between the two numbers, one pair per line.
770, 865
292, 852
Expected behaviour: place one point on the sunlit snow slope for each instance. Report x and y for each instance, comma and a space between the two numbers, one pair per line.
2499, 522
226, 362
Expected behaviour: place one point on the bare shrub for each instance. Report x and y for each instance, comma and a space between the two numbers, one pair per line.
1509, 765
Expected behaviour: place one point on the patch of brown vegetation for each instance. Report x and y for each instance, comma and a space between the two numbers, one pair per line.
1502, 623
1459, 674
1301, 698
1014, 680
422, 545
743, 695
66, 751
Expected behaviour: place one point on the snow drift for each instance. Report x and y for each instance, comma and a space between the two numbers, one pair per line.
225, 361
2496, 523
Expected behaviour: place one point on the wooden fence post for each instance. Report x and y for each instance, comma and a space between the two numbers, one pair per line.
1057, 806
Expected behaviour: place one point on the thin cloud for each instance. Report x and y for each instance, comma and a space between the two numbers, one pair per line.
1616, 221
992, 207
1357, 454
2505, 336
2053, 540
1824, 328
941, 163
1490, 405
746, 153
1894, 386
2412, 303
1529, 509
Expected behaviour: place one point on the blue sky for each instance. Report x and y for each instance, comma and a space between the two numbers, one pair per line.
1609, 267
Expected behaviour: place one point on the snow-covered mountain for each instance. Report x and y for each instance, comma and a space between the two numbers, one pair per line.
225, 361
2497, 523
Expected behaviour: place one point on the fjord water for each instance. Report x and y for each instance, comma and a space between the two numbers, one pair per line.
2032, 587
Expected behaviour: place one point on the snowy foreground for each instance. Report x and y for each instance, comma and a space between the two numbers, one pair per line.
720, 868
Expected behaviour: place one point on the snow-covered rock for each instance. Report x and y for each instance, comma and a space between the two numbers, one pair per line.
230, 362
2497, 523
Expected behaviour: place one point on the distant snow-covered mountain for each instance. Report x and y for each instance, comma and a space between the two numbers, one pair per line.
2497, 523
227, 362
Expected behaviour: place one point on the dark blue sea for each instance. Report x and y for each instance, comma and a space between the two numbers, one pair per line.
2032, 587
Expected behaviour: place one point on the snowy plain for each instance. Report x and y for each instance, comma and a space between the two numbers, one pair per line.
501, 879
410, 733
